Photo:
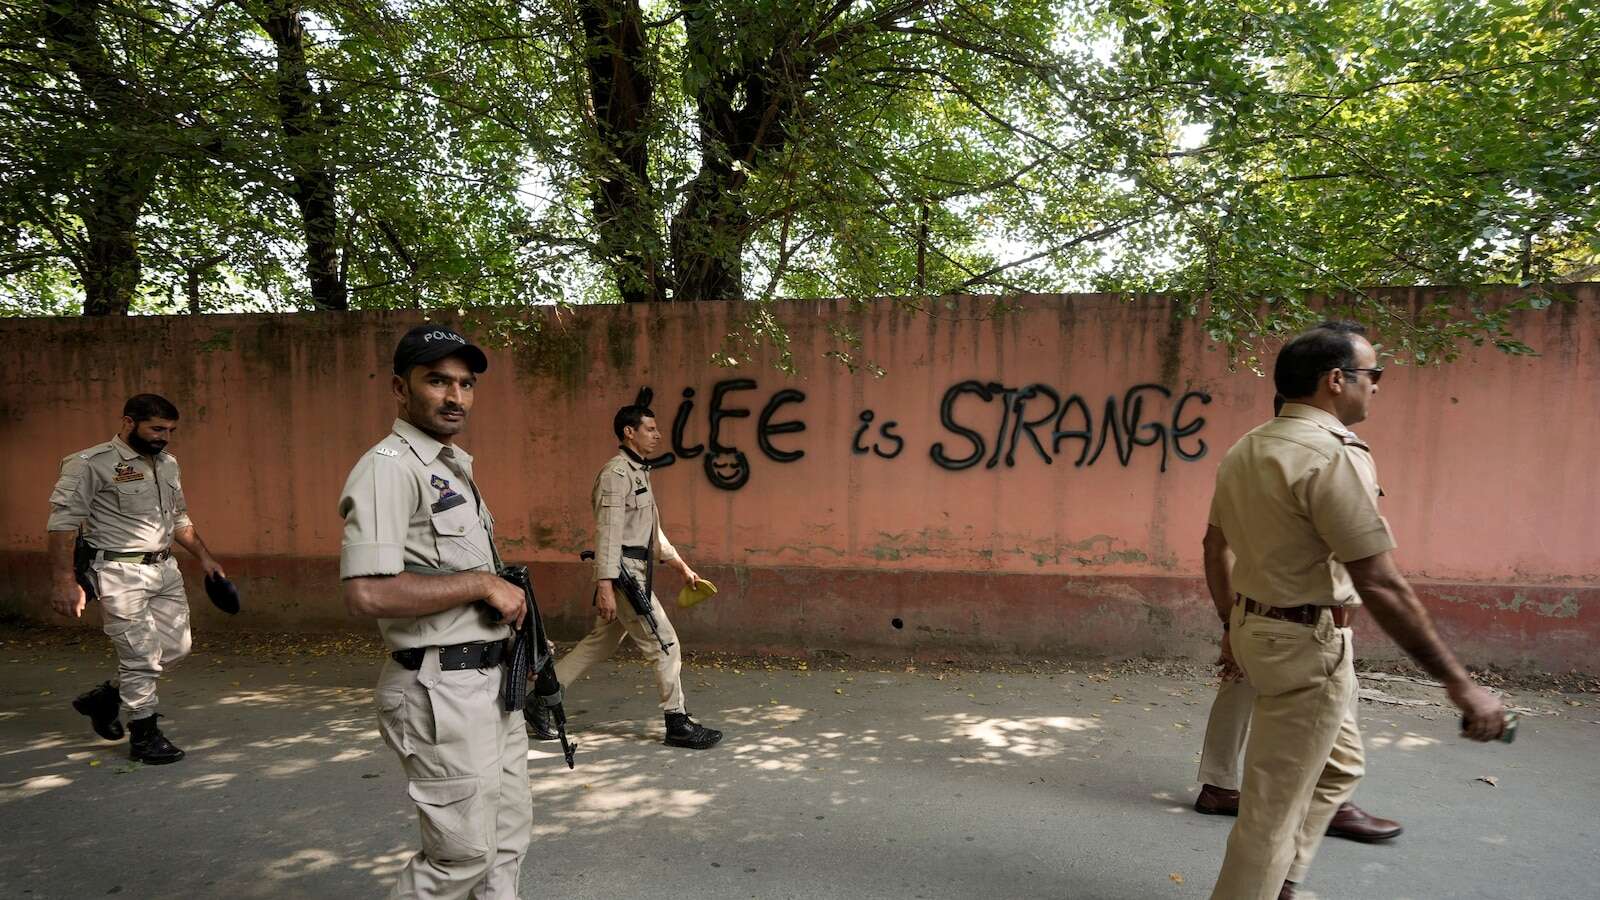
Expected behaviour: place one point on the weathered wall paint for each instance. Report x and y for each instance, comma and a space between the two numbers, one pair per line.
1027, 482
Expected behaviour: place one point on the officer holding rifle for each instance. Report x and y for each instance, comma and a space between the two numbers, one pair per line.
418, 555
628, 542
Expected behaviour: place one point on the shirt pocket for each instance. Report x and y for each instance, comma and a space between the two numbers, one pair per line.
137, 498
459, 538
641, 499
175, 485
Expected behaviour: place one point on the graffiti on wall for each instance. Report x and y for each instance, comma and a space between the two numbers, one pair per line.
987, 422
1038, 411
728, 467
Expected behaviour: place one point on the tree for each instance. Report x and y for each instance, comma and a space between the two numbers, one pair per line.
1251, 156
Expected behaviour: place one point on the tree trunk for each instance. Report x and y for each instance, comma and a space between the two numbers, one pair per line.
744, 112
708, 236
116, 195
620, 90
305, 131
113, 193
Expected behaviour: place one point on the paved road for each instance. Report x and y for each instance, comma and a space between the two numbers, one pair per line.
832, 784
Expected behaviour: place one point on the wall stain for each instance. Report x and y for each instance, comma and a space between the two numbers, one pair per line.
1565, 608
804, 551
221, 339
620, 333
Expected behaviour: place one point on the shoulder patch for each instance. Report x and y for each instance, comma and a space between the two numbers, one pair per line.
96, 450
1349, 439
1346, 437
386, 451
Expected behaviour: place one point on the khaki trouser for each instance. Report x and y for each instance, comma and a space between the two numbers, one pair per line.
605, 637
146, 616
1225, 733
1303, 758
466, 763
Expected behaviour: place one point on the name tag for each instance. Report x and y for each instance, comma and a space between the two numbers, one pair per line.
640, 491
450, 502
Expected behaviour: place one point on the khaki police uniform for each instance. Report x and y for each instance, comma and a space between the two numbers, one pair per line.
1226, 729
625, 515
1296, 498
410, 504
128, 507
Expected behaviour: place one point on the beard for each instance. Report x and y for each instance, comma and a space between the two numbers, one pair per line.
144, 447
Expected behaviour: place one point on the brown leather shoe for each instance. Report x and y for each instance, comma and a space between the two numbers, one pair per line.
1215, 801
1353, 823
1287, 892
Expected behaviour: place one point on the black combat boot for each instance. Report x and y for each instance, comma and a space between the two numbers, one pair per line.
101, 706
683, 731
148, 745
537, 715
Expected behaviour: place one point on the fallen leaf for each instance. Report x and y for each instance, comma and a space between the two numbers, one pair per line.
1176, 878
1489, 780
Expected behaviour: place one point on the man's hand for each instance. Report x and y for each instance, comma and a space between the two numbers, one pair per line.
508, 600
213, 569
605, 600
1483, 712
1228, 667
67, 599
689, 575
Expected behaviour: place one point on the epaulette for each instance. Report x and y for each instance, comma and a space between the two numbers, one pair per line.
385, 451
1347, 437
96, 450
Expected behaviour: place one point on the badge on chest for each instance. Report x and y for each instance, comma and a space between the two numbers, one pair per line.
125, 473
448, 498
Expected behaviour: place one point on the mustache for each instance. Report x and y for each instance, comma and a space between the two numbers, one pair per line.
452, 408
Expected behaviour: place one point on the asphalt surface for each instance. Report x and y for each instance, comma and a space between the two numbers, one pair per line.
882, 782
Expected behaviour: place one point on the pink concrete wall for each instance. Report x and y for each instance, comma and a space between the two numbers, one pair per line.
1486, 465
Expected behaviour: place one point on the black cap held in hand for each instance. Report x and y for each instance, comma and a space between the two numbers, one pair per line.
223, 594
427, 343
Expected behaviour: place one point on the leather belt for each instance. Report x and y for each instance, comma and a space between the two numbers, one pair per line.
1305, 614
640, 553
455, 657
138, 556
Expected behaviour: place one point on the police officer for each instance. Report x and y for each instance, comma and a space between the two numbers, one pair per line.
419, 556
1297, 504
125, 499
628, 534
1229, 722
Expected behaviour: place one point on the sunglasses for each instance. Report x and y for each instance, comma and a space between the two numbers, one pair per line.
1376, 373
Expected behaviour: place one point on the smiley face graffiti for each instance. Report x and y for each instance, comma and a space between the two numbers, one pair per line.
726, 466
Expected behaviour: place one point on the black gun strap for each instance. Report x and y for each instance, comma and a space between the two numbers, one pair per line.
650, 559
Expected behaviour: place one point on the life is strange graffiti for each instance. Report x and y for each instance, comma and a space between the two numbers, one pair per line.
985, 423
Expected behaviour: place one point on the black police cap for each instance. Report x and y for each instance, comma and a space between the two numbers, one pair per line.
223, 594
427, 343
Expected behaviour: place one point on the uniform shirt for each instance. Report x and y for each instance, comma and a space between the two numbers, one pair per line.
625, 513
123, 501
411, 503
1297, 497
